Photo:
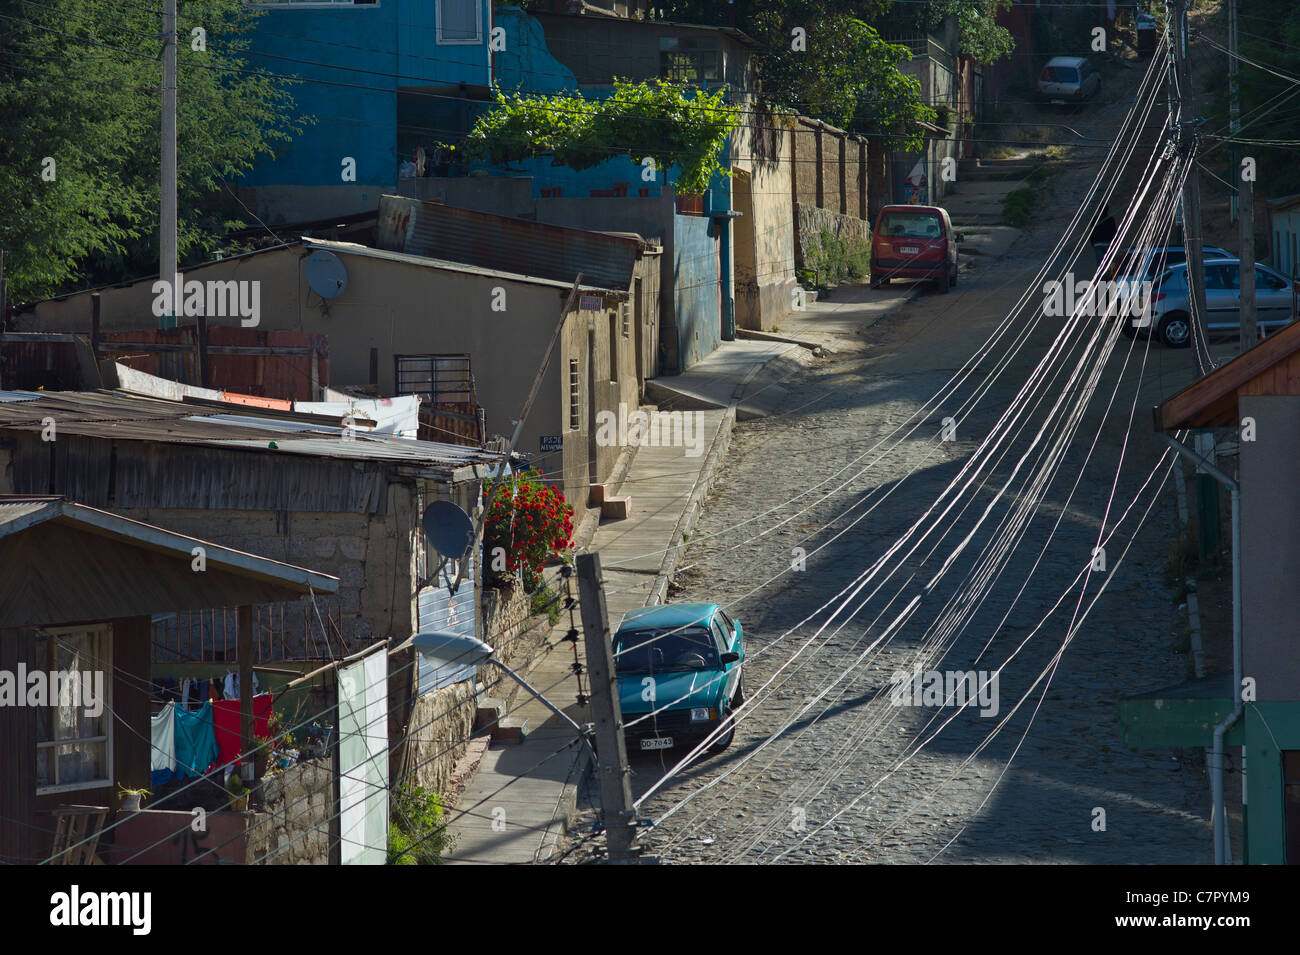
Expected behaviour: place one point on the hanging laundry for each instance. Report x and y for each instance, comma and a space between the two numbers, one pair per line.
231, 685
196, 743
225, 719
162, 736
185, 694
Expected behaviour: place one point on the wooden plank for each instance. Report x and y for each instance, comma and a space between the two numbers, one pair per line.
1199, 405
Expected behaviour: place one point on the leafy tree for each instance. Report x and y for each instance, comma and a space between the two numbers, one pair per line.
79, 142
847, 75
981, 37
671, 123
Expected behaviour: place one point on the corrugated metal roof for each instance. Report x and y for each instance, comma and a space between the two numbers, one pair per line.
118, 416
444, 265
483, 239
9, 396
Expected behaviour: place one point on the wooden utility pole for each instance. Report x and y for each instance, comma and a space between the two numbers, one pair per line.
1234, 98
1192, 186
167, 205
1246, 218
611, 751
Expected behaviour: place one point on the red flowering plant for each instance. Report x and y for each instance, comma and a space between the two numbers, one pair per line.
528, 523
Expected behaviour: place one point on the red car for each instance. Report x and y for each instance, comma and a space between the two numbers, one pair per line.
914, 242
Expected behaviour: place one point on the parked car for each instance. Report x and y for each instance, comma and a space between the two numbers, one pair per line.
1169, 314
1146, 264
684, 661
914, 242
1067, 80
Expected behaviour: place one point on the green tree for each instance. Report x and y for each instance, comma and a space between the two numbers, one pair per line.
981, 37
79, 140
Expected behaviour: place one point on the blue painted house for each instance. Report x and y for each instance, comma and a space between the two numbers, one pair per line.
546, 52
379, 80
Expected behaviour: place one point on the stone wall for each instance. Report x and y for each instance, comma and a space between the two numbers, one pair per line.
442, 721
812, 222
298, 808
441, 724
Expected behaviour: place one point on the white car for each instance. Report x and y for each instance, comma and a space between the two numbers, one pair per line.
1067, 80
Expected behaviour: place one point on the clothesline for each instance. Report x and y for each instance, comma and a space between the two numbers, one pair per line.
193, 743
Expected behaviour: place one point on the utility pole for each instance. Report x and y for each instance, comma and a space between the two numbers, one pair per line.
1192, 186
167, 205
1234, 96
611, 751
1246, 189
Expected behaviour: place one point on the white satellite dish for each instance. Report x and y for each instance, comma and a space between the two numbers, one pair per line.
325, 274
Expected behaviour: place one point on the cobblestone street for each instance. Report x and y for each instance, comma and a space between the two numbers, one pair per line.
839, 760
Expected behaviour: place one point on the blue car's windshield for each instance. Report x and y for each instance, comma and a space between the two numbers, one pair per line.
665, 648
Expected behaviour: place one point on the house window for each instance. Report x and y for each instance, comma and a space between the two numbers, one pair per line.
460, 21
74, 748
575, 396
625, 314
439, 379
690, 59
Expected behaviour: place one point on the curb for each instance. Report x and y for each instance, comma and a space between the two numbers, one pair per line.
566, 809
755, 335
691, 513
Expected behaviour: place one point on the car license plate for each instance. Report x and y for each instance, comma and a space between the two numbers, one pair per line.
1058, 102
909, 250
658, 742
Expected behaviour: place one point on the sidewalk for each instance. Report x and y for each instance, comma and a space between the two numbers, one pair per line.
528, 790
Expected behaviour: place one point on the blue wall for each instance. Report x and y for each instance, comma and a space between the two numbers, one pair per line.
365, 53
695, 284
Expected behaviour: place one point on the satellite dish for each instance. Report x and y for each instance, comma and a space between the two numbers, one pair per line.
325, 274
448, 529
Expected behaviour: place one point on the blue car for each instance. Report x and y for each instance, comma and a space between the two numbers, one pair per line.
679, 675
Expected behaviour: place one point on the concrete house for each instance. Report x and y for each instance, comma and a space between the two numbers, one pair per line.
399, 316
1257, 705
728, 256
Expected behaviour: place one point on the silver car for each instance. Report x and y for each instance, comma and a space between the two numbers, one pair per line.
1169, 313
1068, 79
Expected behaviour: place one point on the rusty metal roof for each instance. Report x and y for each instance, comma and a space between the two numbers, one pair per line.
482, 239
121, 417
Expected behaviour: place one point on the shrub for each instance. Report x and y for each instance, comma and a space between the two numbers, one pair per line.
417, 832
527, 524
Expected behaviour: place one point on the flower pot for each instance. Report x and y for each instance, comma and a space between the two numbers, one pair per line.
690, 204
131, 802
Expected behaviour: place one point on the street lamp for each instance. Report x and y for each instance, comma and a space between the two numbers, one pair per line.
442, 648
